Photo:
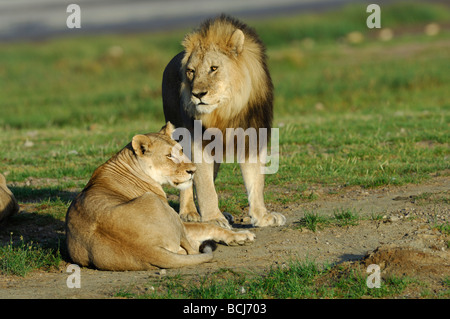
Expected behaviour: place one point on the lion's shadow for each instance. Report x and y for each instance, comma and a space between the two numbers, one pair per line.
40, 221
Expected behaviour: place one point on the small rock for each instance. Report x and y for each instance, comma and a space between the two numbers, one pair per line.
319, 106
432, 29
355, 37
386, 34
162, 272
115, 51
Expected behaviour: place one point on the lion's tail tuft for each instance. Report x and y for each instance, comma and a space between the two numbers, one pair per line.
208, 246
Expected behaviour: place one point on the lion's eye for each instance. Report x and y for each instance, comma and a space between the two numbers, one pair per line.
173, 159
214, 68
190, 73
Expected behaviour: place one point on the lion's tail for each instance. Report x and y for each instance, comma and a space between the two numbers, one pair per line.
208, 246
168, 259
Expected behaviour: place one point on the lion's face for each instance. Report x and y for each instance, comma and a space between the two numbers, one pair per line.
163, 160
213, 76
208, 77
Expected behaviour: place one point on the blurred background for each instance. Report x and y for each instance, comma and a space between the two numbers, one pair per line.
34, 19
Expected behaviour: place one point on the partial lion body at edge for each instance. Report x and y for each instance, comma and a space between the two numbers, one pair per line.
8, 203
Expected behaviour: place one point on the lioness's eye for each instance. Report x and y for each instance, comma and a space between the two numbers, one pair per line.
214, 68
190, 71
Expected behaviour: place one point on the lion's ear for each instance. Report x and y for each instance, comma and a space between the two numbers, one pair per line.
236, 42
2, 180
167, 129
141, 144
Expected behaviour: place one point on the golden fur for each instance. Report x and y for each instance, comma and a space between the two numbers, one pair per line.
8, 203
222, 79
122, 220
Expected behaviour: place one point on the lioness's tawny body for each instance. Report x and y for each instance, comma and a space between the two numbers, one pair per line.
8, 203
221, 78
122, 220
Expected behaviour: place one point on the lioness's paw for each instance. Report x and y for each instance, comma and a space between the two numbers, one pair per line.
270, 219
191, 216
241, 238
221, 222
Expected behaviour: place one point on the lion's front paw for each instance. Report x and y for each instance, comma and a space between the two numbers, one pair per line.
241, 238
270, 219
190, 216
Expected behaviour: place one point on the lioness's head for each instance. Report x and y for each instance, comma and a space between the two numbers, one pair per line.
162, 158
223, 61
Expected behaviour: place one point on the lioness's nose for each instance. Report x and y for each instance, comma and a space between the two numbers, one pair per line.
199, 95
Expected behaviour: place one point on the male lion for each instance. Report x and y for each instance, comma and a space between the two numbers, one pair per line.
221, 78
8, 203
122, 220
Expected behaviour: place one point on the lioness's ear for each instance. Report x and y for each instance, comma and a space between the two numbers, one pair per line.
236, 42
140, 144
167, 129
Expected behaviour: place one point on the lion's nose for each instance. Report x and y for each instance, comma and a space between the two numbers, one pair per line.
191, 171
199, 95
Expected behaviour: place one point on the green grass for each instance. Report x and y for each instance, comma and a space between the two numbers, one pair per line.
314, 221
21, 258
292, 280
346, 218
443, 227
371, 114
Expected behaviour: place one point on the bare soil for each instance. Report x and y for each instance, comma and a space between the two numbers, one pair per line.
396, 230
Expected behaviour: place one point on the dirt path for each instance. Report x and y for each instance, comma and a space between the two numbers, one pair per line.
396, 231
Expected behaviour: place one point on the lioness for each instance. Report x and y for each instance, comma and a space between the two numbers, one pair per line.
122, 220
8, 203
221, 78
